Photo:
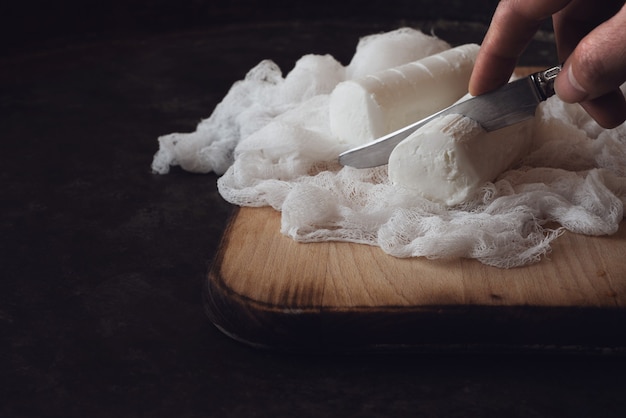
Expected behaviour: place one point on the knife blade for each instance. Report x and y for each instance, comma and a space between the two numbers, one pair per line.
512, 103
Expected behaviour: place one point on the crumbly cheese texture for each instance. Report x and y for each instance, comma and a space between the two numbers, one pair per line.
449, 159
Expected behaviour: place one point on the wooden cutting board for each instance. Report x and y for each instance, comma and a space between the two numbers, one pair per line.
267, 290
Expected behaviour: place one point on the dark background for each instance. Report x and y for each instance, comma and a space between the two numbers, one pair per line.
103, 262
36, 24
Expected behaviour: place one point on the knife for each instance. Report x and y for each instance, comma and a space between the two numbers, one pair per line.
512, 103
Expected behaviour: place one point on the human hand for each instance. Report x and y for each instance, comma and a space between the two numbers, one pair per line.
591, 42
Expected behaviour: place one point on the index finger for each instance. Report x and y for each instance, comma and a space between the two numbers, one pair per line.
513, 25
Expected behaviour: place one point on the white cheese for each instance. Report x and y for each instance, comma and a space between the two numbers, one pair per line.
366, 108
449, 159
391, 49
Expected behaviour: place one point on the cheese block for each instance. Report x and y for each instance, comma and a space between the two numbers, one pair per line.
366, 108
449, 159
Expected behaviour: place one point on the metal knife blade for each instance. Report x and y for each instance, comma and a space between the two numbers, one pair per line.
512, 103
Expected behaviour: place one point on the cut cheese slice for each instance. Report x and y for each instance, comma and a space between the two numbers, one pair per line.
449, 159
364, 109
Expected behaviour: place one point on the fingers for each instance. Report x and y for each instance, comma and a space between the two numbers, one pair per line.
577, 19
596, 64
513, 25
608, 110
594, 56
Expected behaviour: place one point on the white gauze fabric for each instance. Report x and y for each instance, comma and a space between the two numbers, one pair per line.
270, 138
264, 94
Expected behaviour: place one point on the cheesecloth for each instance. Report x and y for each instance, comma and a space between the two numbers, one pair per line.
270, 139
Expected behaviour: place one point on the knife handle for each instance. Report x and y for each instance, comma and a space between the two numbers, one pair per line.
544, 81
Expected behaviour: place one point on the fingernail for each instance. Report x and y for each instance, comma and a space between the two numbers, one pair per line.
569, 89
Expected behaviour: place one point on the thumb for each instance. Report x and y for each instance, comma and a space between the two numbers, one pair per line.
597, 65
594, 72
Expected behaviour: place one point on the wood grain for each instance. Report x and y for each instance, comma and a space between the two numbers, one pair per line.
267, 289
257, 260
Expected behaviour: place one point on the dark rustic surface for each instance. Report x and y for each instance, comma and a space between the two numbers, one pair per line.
103, 262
